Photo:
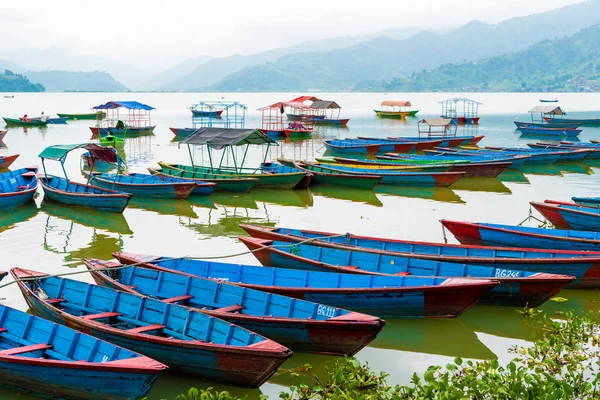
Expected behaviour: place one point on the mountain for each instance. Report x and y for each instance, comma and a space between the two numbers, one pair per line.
11, 82
11, 66
69, 81
567, 64
183, 69
212, 71
365, 63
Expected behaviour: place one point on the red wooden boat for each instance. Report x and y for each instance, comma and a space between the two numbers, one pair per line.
567, 215
6, 161
2, 134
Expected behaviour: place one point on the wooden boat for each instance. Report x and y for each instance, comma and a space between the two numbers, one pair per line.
156, 186
587, 201
385, 296
373, 146
17, 187
6, 161
3, 274
395, 177
395, 109
96, 115
566, 145
50, 360
298, 132
325, 176
350, 146
19, 122
564, 215
447, 141
53, 121
224, 184
204, 113
583, 265
402, 146
182, 132
517, 287
3, 134
582, 122
485, 234
62, 190
123, 132
554, 100
544, 131
189, 342
283, 319
555, 124
564, 155
531, 158
282, 177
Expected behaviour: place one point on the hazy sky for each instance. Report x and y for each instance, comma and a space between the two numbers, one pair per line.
163, 33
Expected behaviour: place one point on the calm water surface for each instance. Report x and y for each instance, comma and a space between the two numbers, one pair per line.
52, 238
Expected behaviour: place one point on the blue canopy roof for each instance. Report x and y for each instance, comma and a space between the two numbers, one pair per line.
131, 105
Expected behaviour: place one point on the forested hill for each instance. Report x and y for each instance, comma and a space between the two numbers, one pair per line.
11, 82
566, 64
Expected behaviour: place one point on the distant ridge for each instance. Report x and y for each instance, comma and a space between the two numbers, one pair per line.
69, 81
11, 82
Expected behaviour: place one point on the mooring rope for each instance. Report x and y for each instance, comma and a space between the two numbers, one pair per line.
543, 223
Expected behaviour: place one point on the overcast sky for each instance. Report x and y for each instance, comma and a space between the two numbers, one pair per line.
163, 33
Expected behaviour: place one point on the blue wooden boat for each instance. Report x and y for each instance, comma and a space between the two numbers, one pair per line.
547, 124
562, 262
62, 190
447, 141
375, 145
60, 120
88, 162
582, 121
484, 234
534, 158
204, 113
156, 186
543, 131
17, 187
283, 319
564, 155
182, 132
443, 156
594, 148
50, 360
517, 287
587, 201
385, 296
6, 161
572, 216
398, 177
187, 341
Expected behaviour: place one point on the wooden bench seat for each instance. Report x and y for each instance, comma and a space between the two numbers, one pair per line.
28, 174
184, 297
233, 308
54, 301
91, 317
142, 329
25, 349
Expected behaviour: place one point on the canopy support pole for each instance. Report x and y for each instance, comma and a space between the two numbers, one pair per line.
191, 155
244, 158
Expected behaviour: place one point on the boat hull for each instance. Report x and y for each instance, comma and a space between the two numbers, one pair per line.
179, 190
88, 116
18, 122
241, 185
21, 191
573, 217
6, 161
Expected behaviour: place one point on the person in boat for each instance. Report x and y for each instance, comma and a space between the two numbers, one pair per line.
43, 117
296, 126
24, 118
120, 125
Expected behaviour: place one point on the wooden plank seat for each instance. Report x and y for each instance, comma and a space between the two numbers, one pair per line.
28, 174
25, 349
233, 308
54, 301
142, 329
91, 317
184, 297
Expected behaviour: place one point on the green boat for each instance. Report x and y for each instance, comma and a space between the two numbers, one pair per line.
325, 176
275, 180
95, 115
18, 122
235, 185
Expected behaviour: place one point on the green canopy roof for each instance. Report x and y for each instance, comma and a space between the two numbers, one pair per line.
59, 151
221, 137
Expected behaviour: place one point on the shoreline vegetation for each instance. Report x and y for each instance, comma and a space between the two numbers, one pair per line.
562, 362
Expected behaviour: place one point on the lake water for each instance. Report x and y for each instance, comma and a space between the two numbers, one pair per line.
53, 238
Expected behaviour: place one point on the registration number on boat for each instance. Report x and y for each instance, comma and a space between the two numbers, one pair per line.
507, 273
326, 311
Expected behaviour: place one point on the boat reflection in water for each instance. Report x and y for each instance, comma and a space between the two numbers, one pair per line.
178, 208
541, 169
294, 198
225, 221
345, 193
480, 185
514, 176
9, 219
441, 194
111, 222
170, 385
575, 168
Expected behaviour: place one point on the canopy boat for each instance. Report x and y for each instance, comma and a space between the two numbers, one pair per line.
544, 131
326, 176
395, 109
181, 133
17, 187
50, 360
62, 190
384, 296
226, 139
484, 234
332, 330
95, 115
583, 265
319, 112
223, 184
123, 119
6, 161
517, 287
564, 155
443, 129
564, 215
555, 114
20, 122
544, 124
188, 341
395, 177
155, 186
461, 110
